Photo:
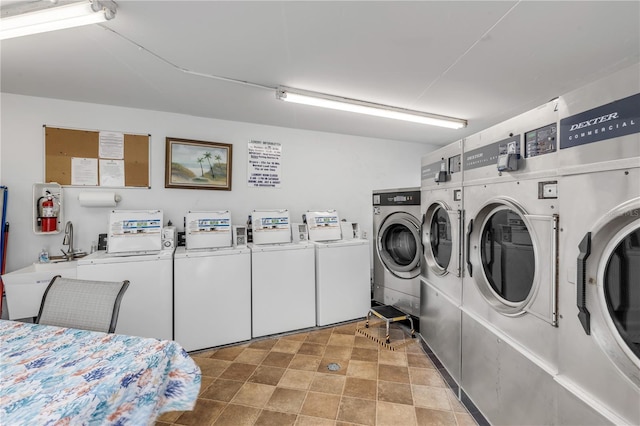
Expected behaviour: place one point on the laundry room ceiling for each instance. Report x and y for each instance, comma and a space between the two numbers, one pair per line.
483, 61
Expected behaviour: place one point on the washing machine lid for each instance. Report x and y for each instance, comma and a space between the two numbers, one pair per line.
208, 229
134, 231
323, 225
271, 226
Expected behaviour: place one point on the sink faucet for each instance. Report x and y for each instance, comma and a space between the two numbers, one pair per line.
68, 239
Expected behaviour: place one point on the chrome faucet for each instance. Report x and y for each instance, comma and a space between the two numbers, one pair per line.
68, 240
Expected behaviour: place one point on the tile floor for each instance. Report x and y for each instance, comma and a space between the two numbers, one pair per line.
285, 380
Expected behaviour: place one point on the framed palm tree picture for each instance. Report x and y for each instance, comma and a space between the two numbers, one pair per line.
193, 164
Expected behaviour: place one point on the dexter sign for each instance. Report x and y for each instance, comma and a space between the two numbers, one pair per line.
619, 118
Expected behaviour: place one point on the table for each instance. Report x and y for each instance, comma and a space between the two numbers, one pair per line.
53, 375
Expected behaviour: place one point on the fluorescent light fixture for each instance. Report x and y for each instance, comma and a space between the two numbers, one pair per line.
57, 18
352, 105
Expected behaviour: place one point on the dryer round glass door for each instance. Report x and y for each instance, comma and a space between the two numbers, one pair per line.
398, 245
439, 233
507, 255
511, 256
622, 289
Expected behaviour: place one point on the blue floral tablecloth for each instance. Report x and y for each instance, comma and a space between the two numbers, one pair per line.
63, 376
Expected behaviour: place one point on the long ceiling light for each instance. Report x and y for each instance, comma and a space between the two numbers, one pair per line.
57, 18
352, 105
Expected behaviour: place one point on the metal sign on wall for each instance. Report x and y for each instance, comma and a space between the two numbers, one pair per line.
615, 119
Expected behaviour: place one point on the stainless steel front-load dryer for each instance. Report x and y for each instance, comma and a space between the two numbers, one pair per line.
397, 248
599, 288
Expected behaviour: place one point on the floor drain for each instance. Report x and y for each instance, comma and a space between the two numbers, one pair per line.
333, 366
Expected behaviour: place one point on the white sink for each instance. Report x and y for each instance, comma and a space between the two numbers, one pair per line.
24, 288
55, 265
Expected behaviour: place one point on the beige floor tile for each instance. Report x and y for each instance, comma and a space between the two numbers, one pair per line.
338, 339
313, 421
349, 328
202, 354
222, 390
361, 388
356, 410
305, 362
464, 419
252, 356
267, 375
205, 382
286, 400
397, 393
365, 342
253, 395
320, 337
363, 369
237, 415
364, 354
430, 397
426, 377
275, 418
266, 344
427, 416
278, 359
296, 336
296, 379
238, 371
393, 373
389, 414
392, 358
337, 352
321, 405
287, 346
314, 349
228, 354
418, 360
211, 367
204, 413
328, 383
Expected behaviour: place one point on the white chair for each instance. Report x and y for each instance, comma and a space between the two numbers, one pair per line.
85, 304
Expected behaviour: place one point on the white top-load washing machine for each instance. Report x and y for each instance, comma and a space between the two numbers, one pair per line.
441, 266
343, 277
212, 284
397, 249
282, 276
599, 291
134, 253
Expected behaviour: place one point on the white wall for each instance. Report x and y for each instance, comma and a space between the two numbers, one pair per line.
319, 170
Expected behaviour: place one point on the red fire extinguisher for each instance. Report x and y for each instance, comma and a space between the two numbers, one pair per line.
48, 215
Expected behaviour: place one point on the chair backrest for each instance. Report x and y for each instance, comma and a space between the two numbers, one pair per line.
84, 304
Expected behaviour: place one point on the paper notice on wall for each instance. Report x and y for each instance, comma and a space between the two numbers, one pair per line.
111, 172
84, 171
264, 162
111, 145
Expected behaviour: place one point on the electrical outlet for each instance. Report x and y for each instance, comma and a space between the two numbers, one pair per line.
364, 235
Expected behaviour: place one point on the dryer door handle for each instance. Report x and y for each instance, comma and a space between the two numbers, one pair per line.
422, 230
468, 247
583, 313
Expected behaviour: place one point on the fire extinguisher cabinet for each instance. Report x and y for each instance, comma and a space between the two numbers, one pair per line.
47, 208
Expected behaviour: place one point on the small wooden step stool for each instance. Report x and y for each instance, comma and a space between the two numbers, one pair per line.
390, 314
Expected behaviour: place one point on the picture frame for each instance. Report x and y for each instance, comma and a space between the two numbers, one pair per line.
191, 164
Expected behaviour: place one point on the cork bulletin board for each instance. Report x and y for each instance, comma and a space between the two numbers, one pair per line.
61, 145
